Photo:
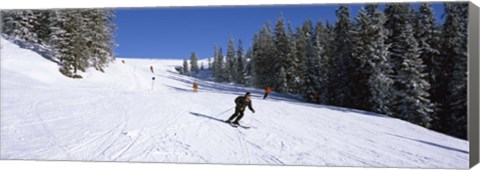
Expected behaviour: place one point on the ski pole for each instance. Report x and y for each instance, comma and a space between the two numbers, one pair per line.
225, 111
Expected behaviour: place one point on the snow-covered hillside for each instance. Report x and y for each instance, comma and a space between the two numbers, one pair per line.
117, 116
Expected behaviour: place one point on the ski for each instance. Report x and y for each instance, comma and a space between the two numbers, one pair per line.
237, 125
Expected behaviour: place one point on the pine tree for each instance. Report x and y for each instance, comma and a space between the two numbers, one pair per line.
240, 64
398, 16
301, 55
209, 63
255, 61
61, 41
428, 37
69, 41
324, 63
329, 49
42, 29
342, 63
215, 63
218, 67
194, 63
454, 52
20, 24
282, 49
79, 38
263, 55
230, 61
230, 70
291, 63
100, 37
249, 67
185, 66
304, 50
371, 52
360, 51
221, 73
316, 73
412, 103
282, 76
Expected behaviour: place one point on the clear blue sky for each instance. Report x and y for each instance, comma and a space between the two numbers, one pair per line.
176, 32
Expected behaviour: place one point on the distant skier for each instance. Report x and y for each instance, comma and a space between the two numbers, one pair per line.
123, 61
195, 87
153, 80
151, 69
241, 103
267, 92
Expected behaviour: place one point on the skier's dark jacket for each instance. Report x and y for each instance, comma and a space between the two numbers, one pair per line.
242, 102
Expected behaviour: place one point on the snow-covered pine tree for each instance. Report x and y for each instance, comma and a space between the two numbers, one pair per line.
360, 52
342, 60
329, 48
240, 64
301, 54
282, 79
209, 63
324, 63
42, 29
249, 67
304, 49
372, 53
412, 103
185, 66
100, 37
263, 54
291, 63
79, 38
454, 50
428, 37
398, 16
194, 63
282, 49
83, 51
214, 66
310, 35
61, 41
254, 60
69, 42
221, 73
314, 75
230, 61
20, 24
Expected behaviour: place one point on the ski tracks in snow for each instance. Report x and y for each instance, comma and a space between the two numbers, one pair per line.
117, 117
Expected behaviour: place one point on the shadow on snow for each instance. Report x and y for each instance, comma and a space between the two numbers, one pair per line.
431, 143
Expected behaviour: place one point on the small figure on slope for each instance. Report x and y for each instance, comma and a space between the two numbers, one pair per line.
195, 87
267, 92
241, 102
151, 69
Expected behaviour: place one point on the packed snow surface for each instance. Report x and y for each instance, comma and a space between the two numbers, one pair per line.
124, 115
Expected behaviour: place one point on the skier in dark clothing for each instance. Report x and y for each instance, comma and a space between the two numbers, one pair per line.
241, 103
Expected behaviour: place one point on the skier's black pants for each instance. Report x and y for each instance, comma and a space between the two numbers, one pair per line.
265, 96
238, 115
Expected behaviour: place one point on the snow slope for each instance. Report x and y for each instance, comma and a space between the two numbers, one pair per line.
117, 116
